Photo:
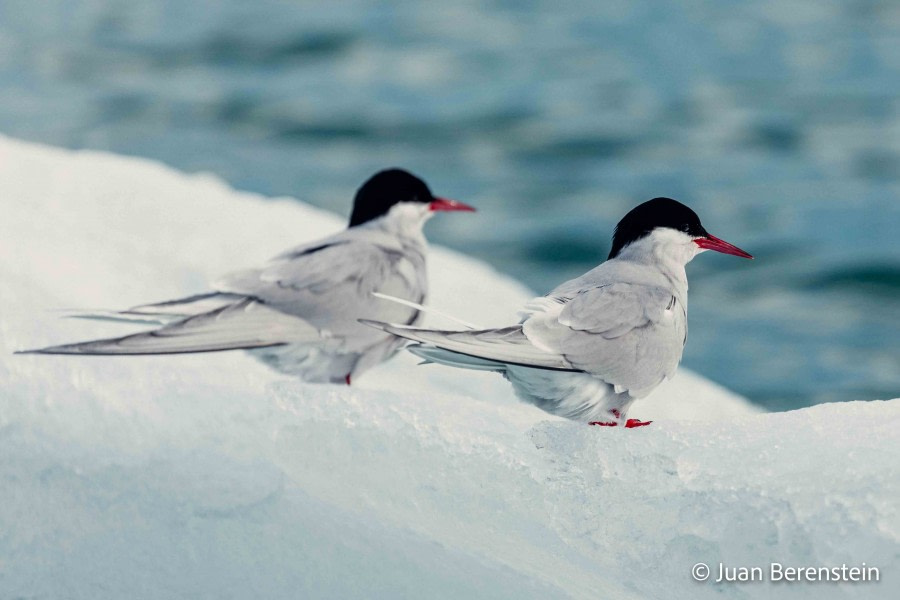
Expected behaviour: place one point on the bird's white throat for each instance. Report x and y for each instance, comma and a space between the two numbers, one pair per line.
667, 249
405, 220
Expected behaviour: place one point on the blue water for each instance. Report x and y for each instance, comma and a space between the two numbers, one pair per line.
778, 121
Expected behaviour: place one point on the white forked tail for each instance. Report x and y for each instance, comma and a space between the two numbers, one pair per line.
158, 313
507, 345
433, 354
114, 316
426, 309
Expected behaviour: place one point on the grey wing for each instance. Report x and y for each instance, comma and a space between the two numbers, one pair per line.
330, 284
629, 335
312, 296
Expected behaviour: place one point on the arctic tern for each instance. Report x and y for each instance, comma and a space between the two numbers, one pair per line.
595, 344
300, 312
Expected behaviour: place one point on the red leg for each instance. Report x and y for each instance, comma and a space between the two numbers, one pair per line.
347, 378
629, 424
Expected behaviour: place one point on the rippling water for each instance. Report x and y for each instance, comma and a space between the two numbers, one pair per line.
778, 121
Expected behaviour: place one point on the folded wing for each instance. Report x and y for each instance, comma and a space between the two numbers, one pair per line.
330, 284
630, 336
627, 335
313, 294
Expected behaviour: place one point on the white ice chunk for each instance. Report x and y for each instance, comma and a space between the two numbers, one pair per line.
210, 476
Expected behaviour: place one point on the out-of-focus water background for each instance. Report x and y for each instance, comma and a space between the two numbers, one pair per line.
778, 121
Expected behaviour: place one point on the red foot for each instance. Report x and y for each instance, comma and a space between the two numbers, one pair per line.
631, 423
347, 378
614, 412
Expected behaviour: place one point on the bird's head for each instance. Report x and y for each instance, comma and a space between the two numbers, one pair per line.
400, 195
666, 225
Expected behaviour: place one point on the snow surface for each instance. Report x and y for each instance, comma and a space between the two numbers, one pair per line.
210, 476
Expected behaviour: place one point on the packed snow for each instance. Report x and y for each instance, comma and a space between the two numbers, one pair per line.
210, 476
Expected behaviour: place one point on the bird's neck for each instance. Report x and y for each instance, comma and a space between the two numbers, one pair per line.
404, 223
664, 253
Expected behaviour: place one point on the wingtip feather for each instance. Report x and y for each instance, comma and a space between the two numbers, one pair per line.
50, 350
376, 324
393, 328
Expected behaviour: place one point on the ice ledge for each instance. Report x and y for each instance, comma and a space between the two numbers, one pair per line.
210, 476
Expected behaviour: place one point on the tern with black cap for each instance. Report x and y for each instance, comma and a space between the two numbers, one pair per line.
595, 344
300, 312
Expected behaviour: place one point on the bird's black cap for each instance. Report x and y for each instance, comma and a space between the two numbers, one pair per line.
659, 212
385, 189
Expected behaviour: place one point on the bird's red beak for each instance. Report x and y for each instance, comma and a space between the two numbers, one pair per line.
711, 242
445, 204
